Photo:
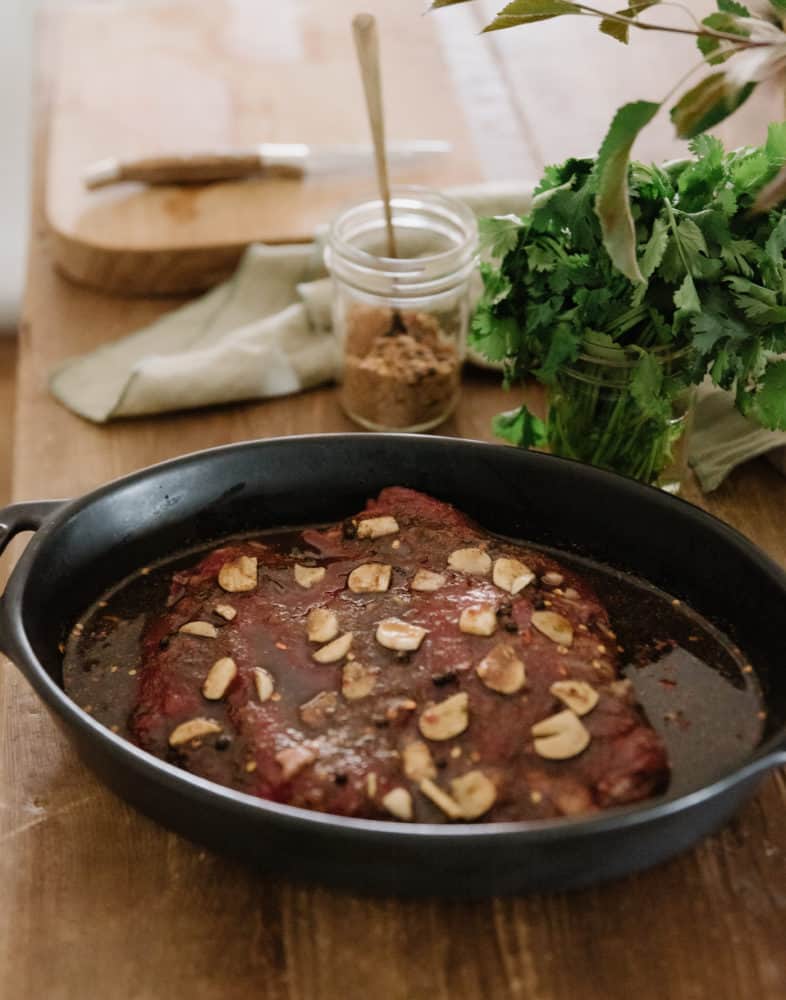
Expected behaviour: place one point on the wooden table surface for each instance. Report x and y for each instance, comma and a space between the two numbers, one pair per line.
97, 901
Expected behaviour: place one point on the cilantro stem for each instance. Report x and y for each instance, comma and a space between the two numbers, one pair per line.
703, 32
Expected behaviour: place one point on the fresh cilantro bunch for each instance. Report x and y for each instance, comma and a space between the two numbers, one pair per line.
713, 301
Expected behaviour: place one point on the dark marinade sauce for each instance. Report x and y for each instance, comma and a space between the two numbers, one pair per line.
698, 691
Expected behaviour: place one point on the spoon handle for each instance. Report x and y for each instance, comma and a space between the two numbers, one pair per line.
364, 28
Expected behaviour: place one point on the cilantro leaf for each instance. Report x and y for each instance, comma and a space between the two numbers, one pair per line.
564, 347
728, 7
654, 248
686, 298
711, 327
769, 404
520, 427
646, 384
739, 256
499, 234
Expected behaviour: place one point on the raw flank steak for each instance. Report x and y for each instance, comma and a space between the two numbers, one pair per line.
404, 664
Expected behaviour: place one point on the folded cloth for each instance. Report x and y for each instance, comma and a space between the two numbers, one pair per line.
266, 332
722, 439
248, 338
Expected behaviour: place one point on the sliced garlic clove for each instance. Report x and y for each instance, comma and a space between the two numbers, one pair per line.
335, 650
308, 576
553, 579
446, 719
264, 684
579, 696
357, 681
418, 762
560, 737
426, 581
226, 611
321, 625
292, 760
480, 619
501, 670
219, 677
472, 560
377, 527
554, 626
398, 803
370, 578
238, 575
392, 633
440, 799
474, 793
192, 730
512, 575
318, 709
204, 629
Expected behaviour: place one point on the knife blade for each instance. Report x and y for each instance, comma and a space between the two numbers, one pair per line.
268, 159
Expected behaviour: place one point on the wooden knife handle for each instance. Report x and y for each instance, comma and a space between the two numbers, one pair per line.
200, 169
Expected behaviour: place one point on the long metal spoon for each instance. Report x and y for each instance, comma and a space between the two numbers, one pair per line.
364, 27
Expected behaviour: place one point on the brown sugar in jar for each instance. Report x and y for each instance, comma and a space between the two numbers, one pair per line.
404, 379
402, 322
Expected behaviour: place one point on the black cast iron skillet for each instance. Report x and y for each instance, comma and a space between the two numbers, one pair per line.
83, 547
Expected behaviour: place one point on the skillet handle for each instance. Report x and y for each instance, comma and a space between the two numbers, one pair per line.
25, 517
15, 519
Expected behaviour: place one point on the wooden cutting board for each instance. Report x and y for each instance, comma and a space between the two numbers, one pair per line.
140, 79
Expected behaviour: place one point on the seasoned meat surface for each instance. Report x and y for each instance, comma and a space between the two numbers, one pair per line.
402, 682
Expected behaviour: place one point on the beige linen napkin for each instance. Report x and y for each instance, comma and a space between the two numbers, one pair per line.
266, 332
722, 439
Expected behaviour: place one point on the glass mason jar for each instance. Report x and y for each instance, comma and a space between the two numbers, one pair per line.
401, 322
595, 417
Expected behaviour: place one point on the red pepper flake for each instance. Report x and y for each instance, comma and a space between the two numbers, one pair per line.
281, 645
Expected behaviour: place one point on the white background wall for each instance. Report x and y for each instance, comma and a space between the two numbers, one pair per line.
16, 17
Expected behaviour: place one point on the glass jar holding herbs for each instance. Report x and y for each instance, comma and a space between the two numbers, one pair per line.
619, 356
596, 414
402, 322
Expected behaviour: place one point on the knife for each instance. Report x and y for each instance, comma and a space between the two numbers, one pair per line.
269, 159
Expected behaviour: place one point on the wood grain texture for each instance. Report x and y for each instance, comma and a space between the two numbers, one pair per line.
97, 901
7, 405
240, 73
